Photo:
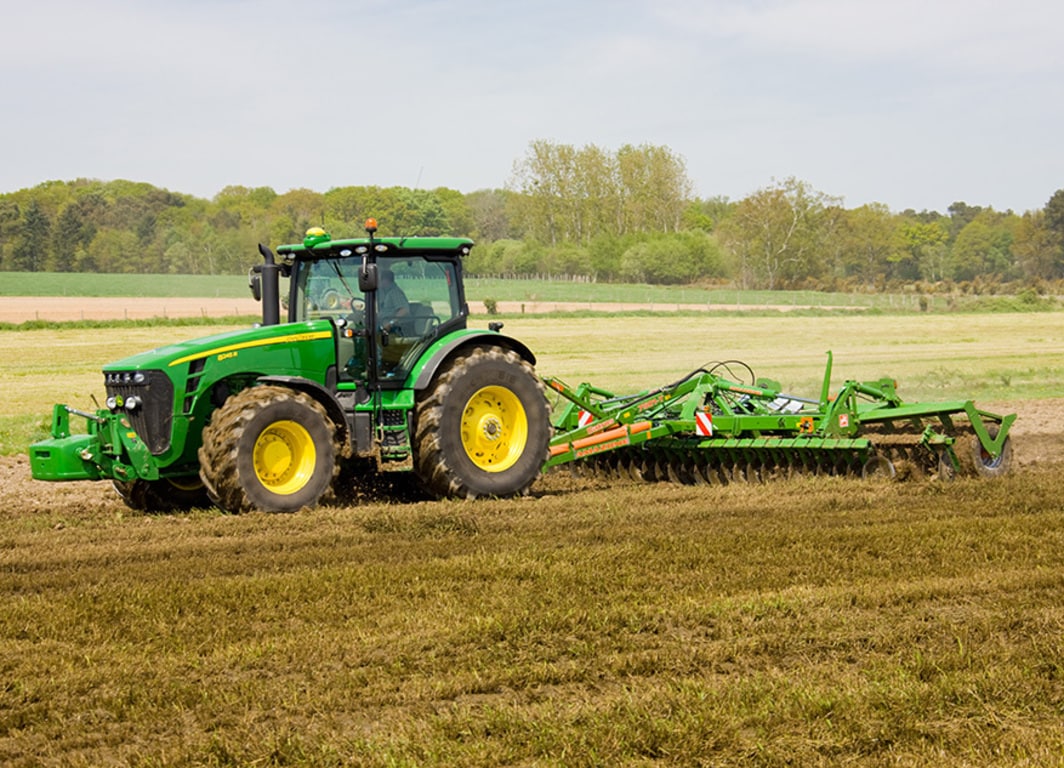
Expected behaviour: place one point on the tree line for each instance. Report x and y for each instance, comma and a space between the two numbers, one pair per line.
579, 212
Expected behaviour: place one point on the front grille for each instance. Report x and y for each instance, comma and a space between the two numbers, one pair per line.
153, 418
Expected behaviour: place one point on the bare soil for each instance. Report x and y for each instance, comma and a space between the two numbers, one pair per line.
1037, 437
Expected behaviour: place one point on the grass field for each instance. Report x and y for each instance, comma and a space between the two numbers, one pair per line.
942, 357
814, 621
478, 289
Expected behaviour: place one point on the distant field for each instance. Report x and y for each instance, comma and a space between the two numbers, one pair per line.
478, 289
93, 284
990, 357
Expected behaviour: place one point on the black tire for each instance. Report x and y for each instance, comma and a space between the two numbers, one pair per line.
483, 427
270, 449
982, 463
165, 495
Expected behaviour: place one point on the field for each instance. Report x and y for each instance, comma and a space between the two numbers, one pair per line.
805, 622
40, 288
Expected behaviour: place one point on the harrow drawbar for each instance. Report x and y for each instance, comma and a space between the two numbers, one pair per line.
715, 427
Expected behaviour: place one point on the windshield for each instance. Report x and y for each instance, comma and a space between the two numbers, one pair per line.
415, 298
327, 288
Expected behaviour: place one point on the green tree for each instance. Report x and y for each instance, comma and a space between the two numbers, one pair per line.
1054, 213
983, 248
458, 216
68, 238
926, 244
419, 213
504, 258
1054, 223
114, 250
654, 188
347, 208
707, 214
961, 215
566, 194
673, 259
776, 232
542, 179
299, 209
32, 249
10, 223
1037, 248
867, 242
490, 213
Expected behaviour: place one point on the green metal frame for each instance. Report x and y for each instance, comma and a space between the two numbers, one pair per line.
704, 414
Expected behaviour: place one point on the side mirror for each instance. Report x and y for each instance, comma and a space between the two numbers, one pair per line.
367, 278
255, 283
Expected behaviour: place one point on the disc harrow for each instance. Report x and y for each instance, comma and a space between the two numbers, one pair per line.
721, 424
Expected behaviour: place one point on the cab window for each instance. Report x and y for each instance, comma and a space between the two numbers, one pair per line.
415, 299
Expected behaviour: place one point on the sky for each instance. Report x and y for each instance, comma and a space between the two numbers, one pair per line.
910, 103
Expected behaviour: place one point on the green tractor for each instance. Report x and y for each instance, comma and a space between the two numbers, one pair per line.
375, 370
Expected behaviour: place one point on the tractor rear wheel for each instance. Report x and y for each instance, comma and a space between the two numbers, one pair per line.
483, 427
165, 495
269, 448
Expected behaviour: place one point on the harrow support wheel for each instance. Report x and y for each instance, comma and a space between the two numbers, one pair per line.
981, 462
483, 427
269, 448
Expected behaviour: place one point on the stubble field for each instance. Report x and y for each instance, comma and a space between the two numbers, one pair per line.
815, 621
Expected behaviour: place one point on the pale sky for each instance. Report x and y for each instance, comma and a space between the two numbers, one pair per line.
911, 103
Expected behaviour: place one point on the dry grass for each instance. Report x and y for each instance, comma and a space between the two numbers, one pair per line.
941, 357
807, 622
814, 621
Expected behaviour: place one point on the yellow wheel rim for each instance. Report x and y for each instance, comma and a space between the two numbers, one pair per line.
284, 457
494, 429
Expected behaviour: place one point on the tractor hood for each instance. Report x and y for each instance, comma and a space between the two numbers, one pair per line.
225, 346
165, 390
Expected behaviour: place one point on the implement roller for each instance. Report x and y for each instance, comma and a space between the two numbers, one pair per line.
720, 424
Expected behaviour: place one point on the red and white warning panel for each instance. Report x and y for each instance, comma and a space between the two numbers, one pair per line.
703, 424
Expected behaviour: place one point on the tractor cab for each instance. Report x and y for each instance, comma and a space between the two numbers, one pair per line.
389, 298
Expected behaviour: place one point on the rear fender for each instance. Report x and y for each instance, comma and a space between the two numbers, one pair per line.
448, 347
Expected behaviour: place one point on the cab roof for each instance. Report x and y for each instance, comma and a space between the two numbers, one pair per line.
323, 246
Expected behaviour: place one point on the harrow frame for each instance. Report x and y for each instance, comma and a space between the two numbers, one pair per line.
707, 427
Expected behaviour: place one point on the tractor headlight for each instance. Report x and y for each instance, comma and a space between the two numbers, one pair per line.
112, 403
132, 403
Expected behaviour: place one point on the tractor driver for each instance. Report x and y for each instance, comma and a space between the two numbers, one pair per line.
392, 304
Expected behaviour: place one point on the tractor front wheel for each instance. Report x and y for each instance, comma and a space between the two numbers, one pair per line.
483, 427
166, 495
268, 448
